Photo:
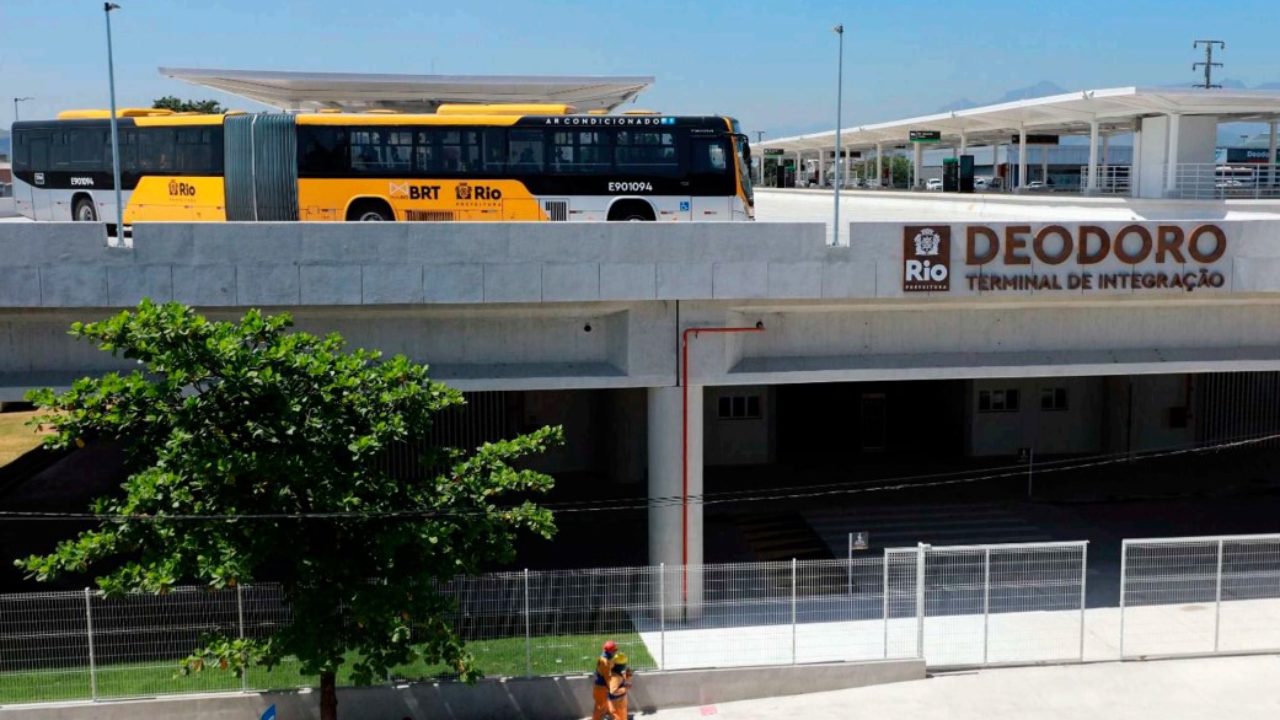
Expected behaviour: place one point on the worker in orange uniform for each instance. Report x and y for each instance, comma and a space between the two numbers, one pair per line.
619, 686
600, 683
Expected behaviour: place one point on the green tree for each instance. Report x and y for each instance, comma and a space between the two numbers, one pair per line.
170, 102
253, 452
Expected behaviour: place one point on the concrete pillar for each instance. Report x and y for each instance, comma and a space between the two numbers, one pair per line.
822, 167
1135, 177
848, 161
1022, 158
1171, 157
964, 143
672, 539
1044, 164
1091, 183
1271, 154
917, 165
880, 163
1108, 173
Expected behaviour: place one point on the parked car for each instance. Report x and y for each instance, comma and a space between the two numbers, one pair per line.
1037, 185
933, 184
981, 183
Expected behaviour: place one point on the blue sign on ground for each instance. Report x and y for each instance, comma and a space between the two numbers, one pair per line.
269, 713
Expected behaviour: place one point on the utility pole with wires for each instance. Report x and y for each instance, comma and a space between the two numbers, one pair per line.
1208, 63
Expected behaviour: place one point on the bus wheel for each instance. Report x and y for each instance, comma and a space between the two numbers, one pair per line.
370, 211
83, 210
631, 211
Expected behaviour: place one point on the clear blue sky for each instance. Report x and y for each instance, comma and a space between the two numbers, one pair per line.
769, 62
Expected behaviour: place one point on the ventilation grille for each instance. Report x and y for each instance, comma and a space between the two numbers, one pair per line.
429, 215
557, 210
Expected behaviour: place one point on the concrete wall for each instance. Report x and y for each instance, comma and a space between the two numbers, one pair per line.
738, 441
490, 306
528, 699
1077, 430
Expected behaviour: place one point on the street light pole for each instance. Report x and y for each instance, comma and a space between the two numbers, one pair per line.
115, 126
15, 105
835, 228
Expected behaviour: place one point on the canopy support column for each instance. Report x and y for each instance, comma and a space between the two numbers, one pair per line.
1022, 158
916, 165
1271, 154
1171, 167
1091, 186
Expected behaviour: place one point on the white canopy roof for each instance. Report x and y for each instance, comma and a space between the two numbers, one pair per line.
411, 93
1116, 110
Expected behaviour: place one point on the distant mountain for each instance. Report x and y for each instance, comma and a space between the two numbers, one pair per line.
1040, 89
961, 104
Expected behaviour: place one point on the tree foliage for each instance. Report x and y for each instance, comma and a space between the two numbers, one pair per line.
253, 452
176, 104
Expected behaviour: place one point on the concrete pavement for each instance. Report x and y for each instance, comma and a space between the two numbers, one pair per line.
1240, 688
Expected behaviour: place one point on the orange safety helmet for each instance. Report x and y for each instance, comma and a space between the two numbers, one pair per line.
610, 647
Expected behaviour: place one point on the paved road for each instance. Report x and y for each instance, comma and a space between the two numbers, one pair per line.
1240, 688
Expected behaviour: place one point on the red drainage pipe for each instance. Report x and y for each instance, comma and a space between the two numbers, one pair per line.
684, 440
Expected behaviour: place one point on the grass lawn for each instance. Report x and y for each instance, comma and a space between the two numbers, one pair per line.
554, 655
15, 437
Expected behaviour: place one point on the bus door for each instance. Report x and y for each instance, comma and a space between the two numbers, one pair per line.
41, 194
712, 184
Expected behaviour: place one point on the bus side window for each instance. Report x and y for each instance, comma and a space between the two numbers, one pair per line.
195, 150
710, 156
426, 156
322, 150
86, 149
495, 151
59, 150
527, 151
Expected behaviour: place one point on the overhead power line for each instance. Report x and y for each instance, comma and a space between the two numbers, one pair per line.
910, 482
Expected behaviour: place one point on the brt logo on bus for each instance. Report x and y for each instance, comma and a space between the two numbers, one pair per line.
181, 189
926, 258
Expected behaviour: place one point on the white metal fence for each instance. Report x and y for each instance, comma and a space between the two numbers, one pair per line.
954, 606
1201, 595
1204, 181
1112, 179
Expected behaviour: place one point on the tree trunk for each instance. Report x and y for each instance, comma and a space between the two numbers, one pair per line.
328, 696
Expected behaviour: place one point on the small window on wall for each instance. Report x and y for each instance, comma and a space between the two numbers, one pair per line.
995, 401
1053, 398
739, 407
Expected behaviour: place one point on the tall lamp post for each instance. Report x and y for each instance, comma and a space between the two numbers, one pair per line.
835, 228
115, 126
15, 105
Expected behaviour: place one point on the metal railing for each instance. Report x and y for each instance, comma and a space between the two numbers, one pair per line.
1206, 181
1112, 179
954, 606
1199, 596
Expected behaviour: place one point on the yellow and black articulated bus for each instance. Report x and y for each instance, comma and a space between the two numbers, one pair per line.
466, 162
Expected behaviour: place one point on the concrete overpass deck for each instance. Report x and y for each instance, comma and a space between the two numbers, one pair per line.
551, 306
